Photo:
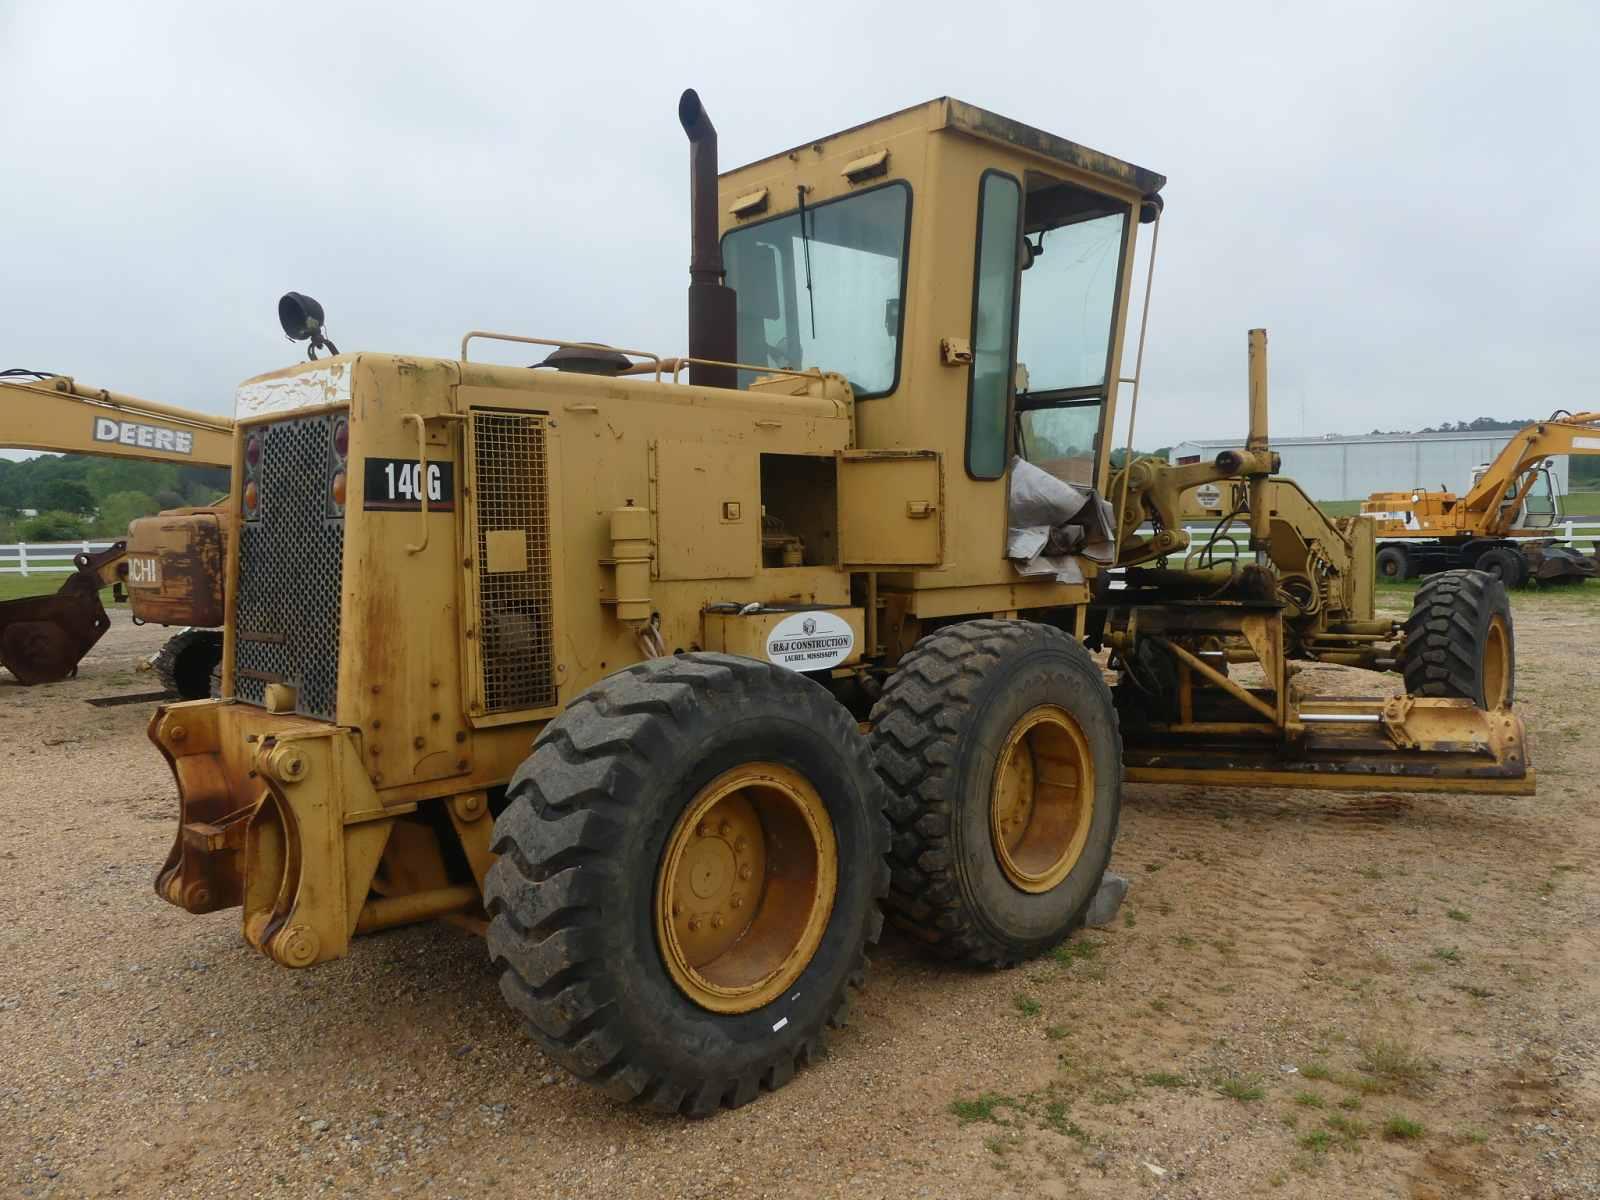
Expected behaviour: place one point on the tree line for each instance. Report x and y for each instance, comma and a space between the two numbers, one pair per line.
77, 496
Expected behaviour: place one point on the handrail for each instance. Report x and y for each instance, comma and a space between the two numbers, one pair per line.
656, 363
533, 341
678, 364
422, 477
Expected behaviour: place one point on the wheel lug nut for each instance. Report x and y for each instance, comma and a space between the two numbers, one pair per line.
741, 844
736, 902
716, 921
744, 871
694, 925
705, 830
726, 829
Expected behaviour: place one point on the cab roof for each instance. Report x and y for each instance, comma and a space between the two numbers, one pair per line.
946, 112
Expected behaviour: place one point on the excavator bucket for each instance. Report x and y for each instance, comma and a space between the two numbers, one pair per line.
44, 638
1552, 563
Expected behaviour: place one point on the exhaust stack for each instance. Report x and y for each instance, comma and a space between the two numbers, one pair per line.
713, 314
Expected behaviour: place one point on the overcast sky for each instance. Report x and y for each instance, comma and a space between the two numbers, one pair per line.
1404, 195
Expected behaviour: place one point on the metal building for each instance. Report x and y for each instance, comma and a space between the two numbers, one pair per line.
1335, 467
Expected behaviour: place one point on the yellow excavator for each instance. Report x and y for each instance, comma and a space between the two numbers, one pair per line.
169, 568
1502, 525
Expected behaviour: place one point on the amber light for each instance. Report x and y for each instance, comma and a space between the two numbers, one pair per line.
251, 497
338, 489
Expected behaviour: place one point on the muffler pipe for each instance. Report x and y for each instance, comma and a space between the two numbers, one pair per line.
713, 310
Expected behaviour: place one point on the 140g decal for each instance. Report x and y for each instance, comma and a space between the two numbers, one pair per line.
399, 484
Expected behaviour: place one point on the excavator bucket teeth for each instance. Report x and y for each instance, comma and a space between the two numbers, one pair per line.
43, 638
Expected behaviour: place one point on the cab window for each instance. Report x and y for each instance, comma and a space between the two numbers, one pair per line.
1072, 252
994, 306
826, 292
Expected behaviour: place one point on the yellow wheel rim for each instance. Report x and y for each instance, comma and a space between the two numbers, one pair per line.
1043, 799
745, 887
1496, 664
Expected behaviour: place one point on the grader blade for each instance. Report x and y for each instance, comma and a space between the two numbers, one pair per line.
44, 638
1399, 743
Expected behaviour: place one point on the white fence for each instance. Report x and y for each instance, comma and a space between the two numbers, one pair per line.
43, 558
1235, 544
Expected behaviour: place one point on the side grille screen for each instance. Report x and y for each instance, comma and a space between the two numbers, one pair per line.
291, 559
512, 506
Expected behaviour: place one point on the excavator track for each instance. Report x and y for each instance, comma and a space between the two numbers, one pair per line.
188, 662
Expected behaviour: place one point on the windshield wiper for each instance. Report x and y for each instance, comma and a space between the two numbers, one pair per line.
805, 245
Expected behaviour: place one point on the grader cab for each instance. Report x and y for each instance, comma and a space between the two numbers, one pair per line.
692, 595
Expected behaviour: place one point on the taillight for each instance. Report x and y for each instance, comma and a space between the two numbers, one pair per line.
338, 489
252, 450
341, 440
252, 499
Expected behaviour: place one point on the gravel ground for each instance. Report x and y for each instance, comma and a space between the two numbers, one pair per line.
1292, 972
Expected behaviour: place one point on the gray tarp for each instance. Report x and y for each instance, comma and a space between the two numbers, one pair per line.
1053, 522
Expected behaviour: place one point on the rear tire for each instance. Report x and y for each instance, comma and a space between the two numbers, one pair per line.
1505, 564
617, 981
999, 746
1458, 640
1395, 564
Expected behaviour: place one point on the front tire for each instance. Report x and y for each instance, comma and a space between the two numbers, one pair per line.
691, 861
998, 743
1459, 640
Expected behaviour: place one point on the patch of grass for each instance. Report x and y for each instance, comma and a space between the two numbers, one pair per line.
995, 1145
1458, 914
982, 1108
1055, 1117
1057, 1033
1238, 1088
1184, 941
1163, 1079
1475, 1137
1317, 1141
1451, 954
1153, 867
1402, 1129
1349, 1132
1394, 1061
1160, 1005
1365, 1084
1127, 915
1371, 873
1315, 1071
1027, 1005
1077, 950
1310, 1100
1350, 1103
1473, 990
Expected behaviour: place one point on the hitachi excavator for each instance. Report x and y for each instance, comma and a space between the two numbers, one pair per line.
169, 568
1502, 525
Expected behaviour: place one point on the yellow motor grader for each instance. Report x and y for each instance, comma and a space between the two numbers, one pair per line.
169, 568
664, 673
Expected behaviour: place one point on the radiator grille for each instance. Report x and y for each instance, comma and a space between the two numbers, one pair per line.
291, 560
511, 495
